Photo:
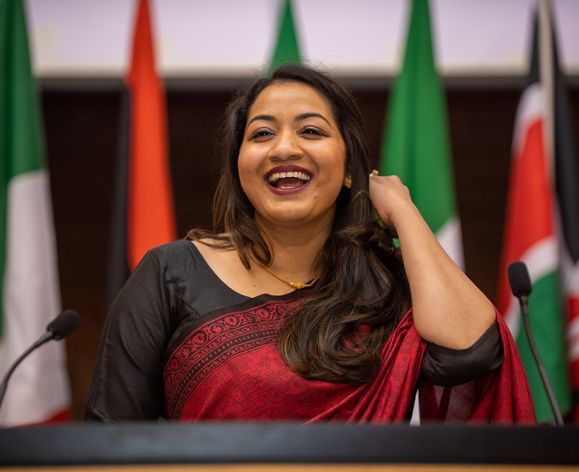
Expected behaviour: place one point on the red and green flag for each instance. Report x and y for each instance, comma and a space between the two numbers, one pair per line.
30, 296
541, 225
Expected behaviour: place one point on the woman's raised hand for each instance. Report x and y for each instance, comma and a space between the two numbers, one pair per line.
390, 197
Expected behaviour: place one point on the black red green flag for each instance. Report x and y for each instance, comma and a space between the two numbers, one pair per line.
542, 223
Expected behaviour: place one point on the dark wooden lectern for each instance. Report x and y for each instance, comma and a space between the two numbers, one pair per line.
288, 447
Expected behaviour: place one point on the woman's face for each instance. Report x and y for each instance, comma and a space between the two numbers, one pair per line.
292, 159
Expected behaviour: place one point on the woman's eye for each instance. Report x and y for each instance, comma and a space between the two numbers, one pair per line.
260, 133
310, 131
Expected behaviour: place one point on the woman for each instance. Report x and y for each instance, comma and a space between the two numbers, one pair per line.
296, 305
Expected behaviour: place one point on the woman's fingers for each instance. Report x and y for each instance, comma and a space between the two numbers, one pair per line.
389, 196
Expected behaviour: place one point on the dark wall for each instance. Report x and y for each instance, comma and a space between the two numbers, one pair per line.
81, 139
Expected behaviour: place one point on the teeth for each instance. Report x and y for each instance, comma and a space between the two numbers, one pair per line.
288, 175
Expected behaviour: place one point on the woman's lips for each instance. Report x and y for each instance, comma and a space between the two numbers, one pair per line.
287, 190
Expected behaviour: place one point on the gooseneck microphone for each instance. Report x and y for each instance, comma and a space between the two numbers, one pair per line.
521, 287
57, 329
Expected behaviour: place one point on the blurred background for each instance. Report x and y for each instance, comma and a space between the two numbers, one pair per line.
206, 50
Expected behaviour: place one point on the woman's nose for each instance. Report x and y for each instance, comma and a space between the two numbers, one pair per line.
286, 146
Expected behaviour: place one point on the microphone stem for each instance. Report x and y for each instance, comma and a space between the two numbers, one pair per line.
523, 301
39, 342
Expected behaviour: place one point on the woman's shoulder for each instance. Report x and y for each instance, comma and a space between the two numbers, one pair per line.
185, 255
190, 246
179, 255
173, 250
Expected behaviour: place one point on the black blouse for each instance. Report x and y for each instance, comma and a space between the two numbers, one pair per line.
169, 293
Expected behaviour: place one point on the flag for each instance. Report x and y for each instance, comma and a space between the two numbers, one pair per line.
30, 297
416, 139
566, 178
287, 49
143, 215
533, 219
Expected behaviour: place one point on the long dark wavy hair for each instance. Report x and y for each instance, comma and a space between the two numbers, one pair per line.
339, 328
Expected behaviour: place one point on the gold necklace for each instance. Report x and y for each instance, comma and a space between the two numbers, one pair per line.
296, 285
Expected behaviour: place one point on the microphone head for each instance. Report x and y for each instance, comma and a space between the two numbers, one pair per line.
519, 279
64, 324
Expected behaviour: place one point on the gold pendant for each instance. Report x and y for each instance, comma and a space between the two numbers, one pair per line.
298, 285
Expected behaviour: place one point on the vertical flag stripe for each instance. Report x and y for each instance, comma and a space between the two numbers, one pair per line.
143, 215
6, 52
38, 390
450, 238
19, 118
150, 208
287, 48
548, 331
416, 140
19, 111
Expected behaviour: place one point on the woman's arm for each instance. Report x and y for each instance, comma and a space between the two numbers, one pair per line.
127, 384
448, 309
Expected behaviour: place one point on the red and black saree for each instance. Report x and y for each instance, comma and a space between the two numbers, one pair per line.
181, 345
229, 368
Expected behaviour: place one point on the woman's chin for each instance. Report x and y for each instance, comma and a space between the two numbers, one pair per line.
294, 214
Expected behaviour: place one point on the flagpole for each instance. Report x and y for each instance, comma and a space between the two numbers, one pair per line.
547, 80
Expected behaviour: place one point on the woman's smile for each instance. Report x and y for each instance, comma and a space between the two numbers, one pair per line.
284, 180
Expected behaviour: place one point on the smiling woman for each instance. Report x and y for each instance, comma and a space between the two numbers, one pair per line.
295, 305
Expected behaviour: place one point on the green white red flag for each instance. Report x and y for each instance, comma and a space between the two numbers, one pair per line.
416, 138
30, 297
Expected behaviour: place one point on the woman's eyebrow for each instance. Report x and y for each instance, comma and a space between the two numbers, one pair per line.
261, 117
304, 116
300, 117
